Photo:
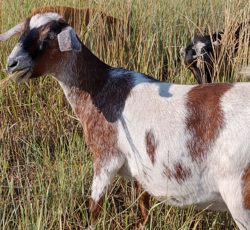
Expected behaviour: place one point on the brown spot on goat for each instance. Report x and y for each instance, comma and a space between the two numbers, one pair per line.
167, 172
151, 145
246, 187
205, 117
179, 173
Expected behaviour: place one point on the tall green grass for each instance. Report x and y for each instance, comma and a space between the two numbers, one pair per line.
45, 167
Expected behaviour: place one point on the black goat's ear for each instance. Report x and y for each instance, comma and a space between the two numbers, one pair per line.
183, 51
216, 38
68, 40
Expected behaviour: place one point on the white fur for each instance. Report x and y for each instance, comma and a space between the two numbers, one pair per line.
134, 128
42, 19
168, 127
105, 177
197, 47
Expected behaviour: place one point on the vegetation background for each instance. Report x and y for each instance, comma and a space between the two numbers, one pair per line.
45, 166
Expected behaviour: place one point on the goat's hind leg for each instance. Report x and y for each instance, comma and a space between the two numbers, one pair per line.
237, 201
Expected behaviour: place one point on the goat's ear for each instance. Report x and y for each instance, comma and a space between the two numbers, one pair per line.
216, 38
183, 51
216, 43
9, 33
68, 40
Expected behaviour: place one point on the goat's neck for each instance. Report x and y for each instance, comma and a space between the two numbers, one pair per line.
83, 75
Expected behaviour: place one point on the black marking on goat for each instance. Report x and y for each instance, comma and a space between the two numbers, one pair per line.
35, 40
115, 92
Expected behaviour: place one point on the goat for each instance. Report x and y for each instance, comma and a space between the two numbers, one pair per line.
201, 54
202, 46
184, 144
79, 18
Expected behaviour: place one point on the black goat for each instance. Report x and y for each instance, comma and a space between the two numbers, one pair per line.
200, 55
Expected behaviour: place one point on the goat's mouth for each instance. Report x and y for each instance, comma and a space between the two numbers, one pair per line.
21, 75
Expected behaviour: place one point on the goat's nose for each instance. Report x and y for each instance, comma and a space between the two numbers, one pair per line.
12, 64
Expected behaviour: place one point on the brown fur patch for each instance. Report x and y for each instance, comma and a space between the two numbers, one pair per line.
100, 135
246, 187
151, 145
205, 117
179, 173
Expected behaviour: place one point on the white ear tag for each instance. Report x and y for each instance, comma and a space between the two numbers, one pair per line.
68, 40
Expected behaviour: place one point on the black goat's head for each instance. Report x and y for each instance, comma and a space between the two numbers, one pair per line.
199, 56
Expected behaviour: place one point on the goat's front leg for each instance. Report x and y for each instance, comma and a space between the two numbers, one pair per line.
104, 172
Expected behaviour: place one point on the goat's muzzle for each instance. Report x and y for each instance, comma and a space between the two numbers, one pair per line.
18, 71
21, 75
19, 64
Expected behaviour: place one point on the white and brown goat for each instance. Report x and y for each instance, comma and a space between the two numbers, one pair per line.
185, 144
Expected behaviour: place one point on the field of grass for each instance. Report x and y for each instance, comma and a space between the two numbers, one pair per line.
45, 167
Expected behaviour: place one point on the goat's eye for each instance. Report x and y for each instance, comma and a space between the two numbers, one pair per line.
51, 36
203, 50
193, 52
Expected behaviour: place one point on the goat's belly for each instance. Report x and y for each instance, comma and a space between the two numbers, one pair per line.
183, 198
208, 201
191, 191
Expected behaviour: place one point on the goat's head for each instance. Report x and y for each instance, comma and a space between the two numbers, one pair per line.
199, 56
40, 49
